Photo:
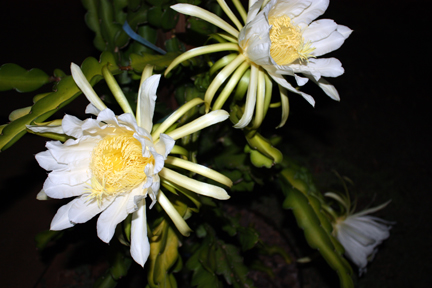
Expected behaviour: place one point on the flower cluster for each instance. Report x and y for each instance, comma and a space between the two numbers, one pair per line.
359, 233
112, 163
278, 38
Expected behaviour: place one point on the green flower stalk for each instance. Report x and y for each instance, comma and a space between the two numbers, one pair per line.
278, 38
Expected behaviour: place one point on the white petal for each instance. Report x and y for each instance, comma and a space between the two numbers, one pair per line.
85, 209
47, 161
356, 233
254, 39
281, 81
319, 29
94, 127
112, 215
60, 191
91, 109
72, 177
300, 80
147, 101
328, 67
333, 42
291, 8
83, 84
136, 195
360, 235
153, 190
316, 9
149, 180
72, 150
280, 69
159, 162
353, 249
146, 144
72, 126
108, 116
61, 219
140, 246
127, 120
370, 228
344, 31
165, 145
253, 10
329, 89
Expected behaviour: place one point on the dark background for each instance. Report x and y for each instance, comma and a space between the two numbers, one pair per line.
377, 136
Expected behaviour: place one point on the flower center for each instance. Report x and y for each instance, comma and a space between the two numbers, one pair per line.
287, 43
117, 165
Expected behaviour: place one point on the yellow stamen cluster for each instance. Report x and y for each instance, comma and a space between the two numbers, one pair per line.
117, 165
287, 43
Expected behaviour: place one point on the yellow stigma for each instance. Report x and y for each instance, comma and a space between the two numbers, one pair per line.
287, 43
117, 165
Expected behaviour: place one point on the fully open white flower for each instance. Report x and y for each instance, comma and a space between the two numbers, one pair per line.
359, 233
279, 38
113, 163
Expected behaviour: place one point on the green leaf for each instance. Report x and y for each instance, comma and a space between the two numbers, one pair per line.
203, 275
59, 73
169, 18
200, 26
154, 16
193, 2
147, 32
133, 18
108, 27
174, 45
159, 61
43, 238
158, 2
66, 92
119, 264
202, 82
134, 4
105, 281
92, 21
215, 257
248, 237
15, 77
163, 256
230, 265
119, 13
